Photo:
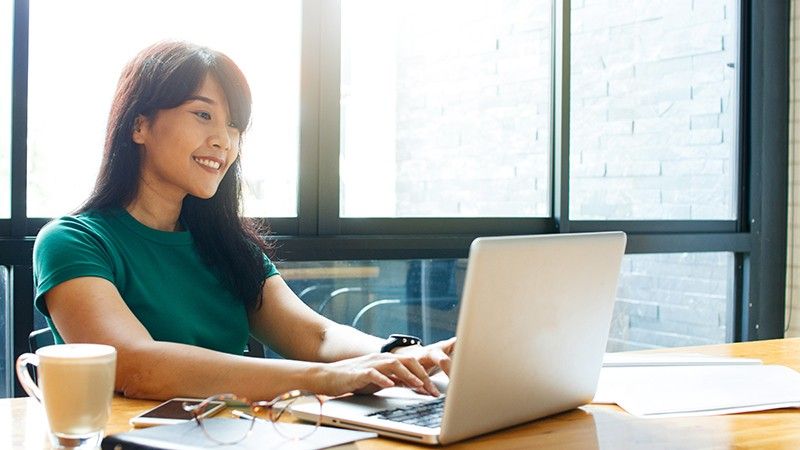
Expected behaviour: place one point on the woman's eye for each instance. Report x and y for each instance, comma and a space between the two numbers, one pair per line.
232, 124
203, 115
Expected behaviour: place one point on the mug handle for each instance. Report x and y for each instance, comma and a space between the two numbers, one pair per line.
25, 377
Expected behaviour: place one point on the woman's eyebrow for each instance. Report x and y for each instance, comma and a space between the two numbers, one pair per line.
201, 98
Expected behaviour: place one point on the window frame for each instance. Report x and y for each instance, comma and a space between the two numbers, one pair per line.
757, 237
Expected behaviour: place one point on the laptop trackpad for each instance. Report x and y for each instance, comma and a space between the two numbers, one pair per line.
389, 398
386, 399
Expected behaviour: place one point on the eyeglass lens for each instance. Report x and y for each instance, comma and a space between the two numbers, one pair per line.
276, 411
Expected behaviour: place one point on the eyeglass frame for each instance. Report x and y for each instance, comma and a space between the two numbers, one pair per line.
255, 407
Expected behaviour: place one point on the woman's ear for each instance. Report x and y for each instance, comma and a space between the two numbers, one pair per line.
138, 134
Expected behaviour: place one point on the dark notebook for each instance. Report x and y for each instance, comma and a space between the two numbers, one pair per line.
189, 435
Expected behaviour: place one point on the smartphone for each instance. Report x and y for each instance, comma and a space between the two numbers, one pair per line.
171, 412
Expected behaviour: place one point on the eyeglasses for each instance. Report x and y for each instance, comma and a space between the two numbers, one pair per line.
277, 411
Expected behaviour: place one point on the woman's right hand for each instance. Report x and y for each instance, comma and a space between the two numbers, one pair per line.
370, 373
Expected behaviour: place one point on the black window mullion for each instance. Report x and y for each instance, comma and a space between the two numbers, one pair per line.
329, 117
656, 226
387, 247
742, 306
20, 318
281, 225
736, 309
456, 245
443, 225
688, 243
19, 120
308, 173
560, 110
767, 123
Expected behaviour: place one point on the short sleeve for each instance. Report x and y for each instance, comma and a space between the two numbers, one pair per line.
269, 267
65, 249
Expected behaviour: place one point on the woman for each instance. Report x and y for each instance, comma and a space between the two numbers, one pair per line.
158, 263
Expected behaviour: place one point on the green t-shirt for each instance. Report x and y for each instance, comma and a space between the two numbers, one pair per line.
159, 274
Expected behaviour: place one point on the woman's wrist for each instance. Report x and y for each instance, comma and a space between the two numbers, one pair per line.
312, 377
396, 341
409, 350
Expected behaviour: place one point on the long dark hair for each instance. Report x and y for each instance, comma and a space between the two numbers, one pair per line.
164, 76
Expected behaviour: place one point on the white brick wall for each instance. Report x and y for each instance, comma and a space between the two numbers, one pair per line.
473, 122
651, 89
650, 100
670, 300
652, 118
793, 251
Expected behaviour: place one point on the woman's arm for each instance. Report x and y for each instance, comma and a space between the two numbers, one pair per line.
296, 331
90, 309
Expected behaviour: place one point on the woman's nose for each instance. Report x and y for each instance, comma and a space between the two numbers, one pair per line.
221, 138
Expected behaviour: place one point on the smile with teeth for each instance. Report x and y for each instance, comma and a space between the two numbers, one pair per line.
208, 163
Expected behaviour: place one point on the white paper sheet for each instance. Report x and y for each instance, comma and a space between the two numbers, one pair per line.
627, 359
698, 390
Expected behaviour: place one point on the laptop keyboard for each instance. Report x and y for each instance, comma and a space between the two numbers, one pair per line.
425, 414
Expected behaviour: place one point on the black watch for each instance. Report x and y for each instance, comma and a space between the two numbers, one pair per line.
399, 340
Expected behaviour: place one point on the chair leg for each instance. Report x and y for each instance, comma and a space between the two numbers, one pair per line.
372, 305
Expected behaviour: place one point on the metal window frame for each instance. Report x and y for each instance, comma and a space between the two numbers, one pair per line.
757, 238
764, 128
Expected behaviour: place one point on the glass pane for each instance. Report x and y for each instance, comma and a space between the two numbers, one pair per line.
6, 49
663, 300
6, 363
67, 119
418, 297
653, 109
445, 108
672, 300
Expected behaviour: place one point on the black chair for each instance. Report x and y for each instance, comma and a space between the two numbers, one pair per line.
254, 348
36, 340
40, 338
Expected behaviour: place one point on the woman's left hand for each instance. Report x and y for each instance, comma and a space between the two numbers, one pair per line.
433, 357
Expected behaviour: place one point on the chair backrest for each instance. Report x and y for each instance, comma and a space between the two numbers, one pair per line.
36, 340
254, 348
40, 338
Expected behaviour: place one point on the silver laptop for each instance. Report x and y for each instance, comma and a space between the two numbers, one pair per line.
532, 328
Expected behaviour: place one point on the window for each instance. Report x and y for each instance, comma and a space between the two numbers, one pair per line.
663, 300
445, 113
415, 126
67, 119
6, 50
653, 104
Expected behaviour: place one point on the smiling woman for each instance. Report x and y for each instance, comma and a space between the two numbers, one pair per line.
159, 264
174, 104
157, 125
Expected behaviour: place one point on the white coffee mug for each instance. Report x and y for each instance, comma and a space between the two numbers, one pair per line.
76, 385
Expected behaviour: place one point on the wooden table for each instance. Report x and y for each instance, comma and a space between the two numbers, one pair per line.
22, 421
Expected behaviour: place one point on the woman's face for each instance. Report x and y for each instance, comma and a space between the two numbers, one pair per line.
189, 148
